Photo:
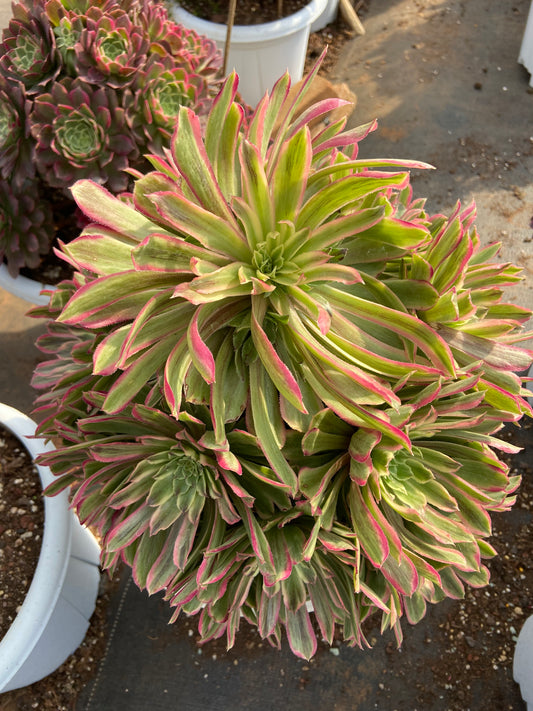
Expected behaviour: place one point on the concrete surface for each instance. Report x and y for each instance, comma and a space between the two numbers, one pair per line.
5, 13
442, 78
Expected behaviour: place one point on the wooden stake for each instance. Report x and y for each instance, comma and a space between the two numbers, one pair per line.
231, 20
349, 15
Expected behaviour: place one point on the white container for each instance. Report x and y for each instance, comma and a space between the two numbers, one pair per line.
24, 288
260, 54
523, 662
526, 49
54, 617
327, 16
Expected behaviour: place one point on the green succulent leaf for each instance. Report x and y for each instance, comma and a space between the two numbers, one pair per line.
300, 633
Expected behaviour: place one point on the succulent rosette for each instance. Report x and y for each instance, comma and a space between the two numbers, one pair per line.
289, 380
155, 100
16, 146
197, 53
81, 130
112, 48
162, 32
27, 51
26, 228
67, 26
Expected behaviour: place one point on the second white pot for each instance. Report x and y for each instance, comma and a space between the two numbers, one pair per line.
54, 617
526, 48
327, 16
260, 54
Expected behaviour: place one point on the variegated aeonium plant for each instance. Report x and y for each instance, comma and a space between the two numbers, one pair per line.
276, 379
86, 89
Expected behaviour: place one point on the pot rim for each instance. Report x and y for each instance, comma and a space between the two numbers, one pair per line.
285, 26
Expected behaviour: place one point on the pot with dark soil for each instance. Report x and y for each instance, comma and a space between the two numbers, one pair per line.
266, 39
49, 574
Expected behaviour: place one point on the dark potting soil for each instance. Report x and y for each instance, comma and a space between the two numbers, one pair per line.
21, 525
21, 531
248, 12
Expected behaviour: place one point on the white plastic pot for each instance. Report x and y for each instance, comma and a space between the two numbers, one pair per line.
327, 16
24, 288
260, 54
526, 48
523, 662
54, 617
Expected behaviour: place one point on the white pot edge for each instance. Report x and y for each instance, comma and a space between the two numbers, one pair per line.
24, 288
328, 15
46, 588
523, 662
251, 33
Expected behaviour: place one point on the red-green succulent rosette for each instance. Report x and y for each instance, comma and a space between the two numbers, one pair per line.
27, 50
196, 52
159, 28
155, 99
67, 26
16, 147
288, 380
81, 130
26, 226
112, 48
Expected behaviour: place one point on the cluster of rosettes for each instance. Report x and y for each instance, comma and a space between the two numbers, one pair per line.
86, 91
275, 381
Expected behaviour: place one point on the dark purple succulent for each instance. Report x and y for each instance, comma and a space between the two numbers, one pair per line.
81, 131
26, 225
16, 146
27, 50
78, 81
